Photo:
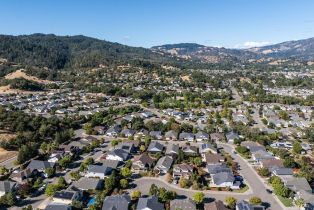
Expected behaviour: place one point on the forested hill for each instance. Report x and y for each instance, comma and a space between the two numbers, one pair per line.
59, 52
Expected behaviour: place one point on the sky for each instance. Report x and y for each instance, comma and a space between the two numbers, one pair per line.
147, 23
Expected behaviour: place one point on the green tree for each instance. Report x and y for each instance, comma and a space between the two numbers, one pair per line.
51, 189
38, 183
299, 202
65, 161
231, 202
61, 183
125, 172
197, 161
184, 183
153, 190
198, 197
264, 172
49, 172
136, 194
3, 170
124, 183
297, 148
255, 201
75, 175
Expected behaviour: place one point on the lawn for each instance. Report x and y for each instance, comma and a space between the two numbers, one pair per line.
286, 201
242, 190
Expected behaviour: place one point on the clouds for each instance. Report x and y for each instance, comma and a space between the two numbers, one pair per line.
250, 44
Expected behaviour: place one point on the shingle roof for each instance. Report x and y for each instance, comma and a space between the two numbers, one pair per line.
183, 204
222, 177
40, 165
149, 203
116, 202
85, 183
57, 206
99, 169
6, 186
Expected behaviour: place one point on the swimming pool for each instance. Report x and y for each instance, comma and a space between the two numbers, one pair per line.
91, 202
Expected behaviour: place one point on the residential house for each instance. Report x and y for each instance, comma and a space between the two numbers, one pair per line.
212, 159
215, 205
217, 137
114, 164
89, 139
116, 202
149, 203
40, 166
100, 130
253, 146
231, 136
147, 114
184, 136
222, 179
207, 148
282, 172
244, 205
171, 135
99, 171
117, 154
182, 170
85, 183
183, 204
163, 164
201, 136
142, 162
190, 150
217, 168
6, 187
261, 155
21, 176
66, 196
141, 133
155, 147
128, 132
113, 131
126, 146
156, 135
271, 164
172, 149
58, 206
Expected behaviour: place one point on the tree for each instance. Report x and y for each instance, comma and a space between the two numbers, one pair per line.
264, 172
289, 162
142, 148
197, 161
299, 202
114, 143
231, 202
75, 175
61, 183
125, 172
49, 172
65, 161
184, 183
297, 148
38, 183
136, 194
255, 201
28, 207
198, 197
153, 190
3, 170
51, 189
124, 183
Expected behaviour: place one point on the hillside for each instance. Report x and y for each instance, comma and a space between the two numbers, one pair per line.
302, 50
59, 52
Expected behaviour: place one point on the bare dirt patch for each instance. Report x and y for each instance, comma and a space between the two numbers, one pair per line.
5, 154
8, 90
21, 74
186, 78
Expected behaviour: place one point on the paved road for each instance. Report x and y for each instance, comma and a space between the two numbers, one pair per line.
256, 184
9, 163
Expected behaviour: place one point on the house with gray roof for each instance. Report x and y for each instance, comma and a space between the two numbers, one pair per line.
163, 164
99, 171
207, 148
85, 183
113, 131
201, 136
149, 203
116, 202
6, 187
244, 205
172, 149
58, 206
40, 166
231, 136
185, 136
171, 135
183, 204
222, 179
118, 154
128, 132
155, 147
156, 135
